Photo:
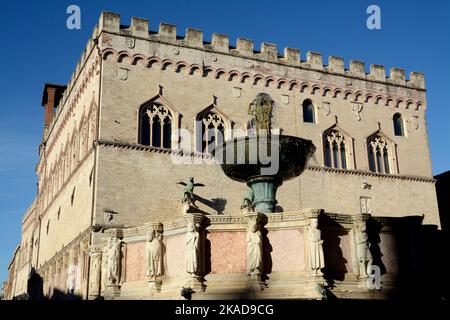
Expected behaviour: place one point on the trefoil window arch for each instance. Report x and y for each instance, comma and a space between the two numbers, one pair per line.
155, 122
211, 132
379, 155
336, 149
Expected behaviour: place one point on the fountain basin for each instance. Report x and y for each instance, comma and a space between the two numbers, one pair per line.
264, 162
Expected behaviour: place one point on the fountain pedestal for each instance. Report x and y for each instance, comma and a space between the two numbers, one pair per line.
264, 189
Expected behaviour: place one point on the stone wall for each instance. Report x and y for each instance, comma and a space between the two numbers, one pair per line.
138, 67
285, 257
130, 180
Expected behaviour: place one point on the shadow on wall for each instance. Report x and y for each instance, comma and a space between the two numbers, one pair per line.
443, 197
420, 254
207, 264
422, 260
35, 290
373, 235
266, 253
35, 286
59, 295
335, 268
218, 205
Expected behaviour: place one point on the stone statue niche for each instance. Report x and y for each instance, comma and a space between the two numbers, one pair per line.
315, 248
362, 249
112, 263
154, 254
254, 250
192, 250
195, 252
95, 272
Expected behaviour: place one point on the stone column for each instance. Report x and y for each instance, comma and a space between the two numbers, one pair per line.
77, 262
66, 267
195, 251
95, 255
59, 274
51, 278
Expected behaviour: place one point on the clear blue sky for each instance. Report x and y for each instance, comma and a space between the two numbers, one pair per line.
37, 48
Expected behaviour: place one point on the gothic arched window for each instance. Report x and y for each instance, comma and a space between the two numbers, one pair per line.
398, 125
155, 126
335, 149
308, 111
379, 158
211, 132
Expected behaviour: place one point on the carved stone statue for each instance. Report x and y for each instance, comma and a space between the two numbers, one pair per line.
188, 193
362, 249
254, 249
113, 251
154, 251
94, 278
261, 111
357, 108
192, 249
104, 262
247, 203
365, 204
316, 258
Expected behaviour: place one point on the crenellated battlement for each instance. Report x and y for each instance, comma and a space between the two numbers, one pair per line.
244, 48
194, 38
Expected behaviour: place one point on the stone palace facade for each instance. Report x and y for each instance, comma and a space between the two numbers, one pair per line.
108, 220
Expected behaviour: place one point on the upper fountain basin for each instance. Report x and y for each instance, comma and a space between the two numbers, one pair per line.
279, 156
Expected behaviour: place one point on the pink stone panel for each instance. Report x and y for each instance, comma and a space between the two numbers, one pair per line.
175, 255
388, 249
288, 250
228, 251
135, 262
346, 248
